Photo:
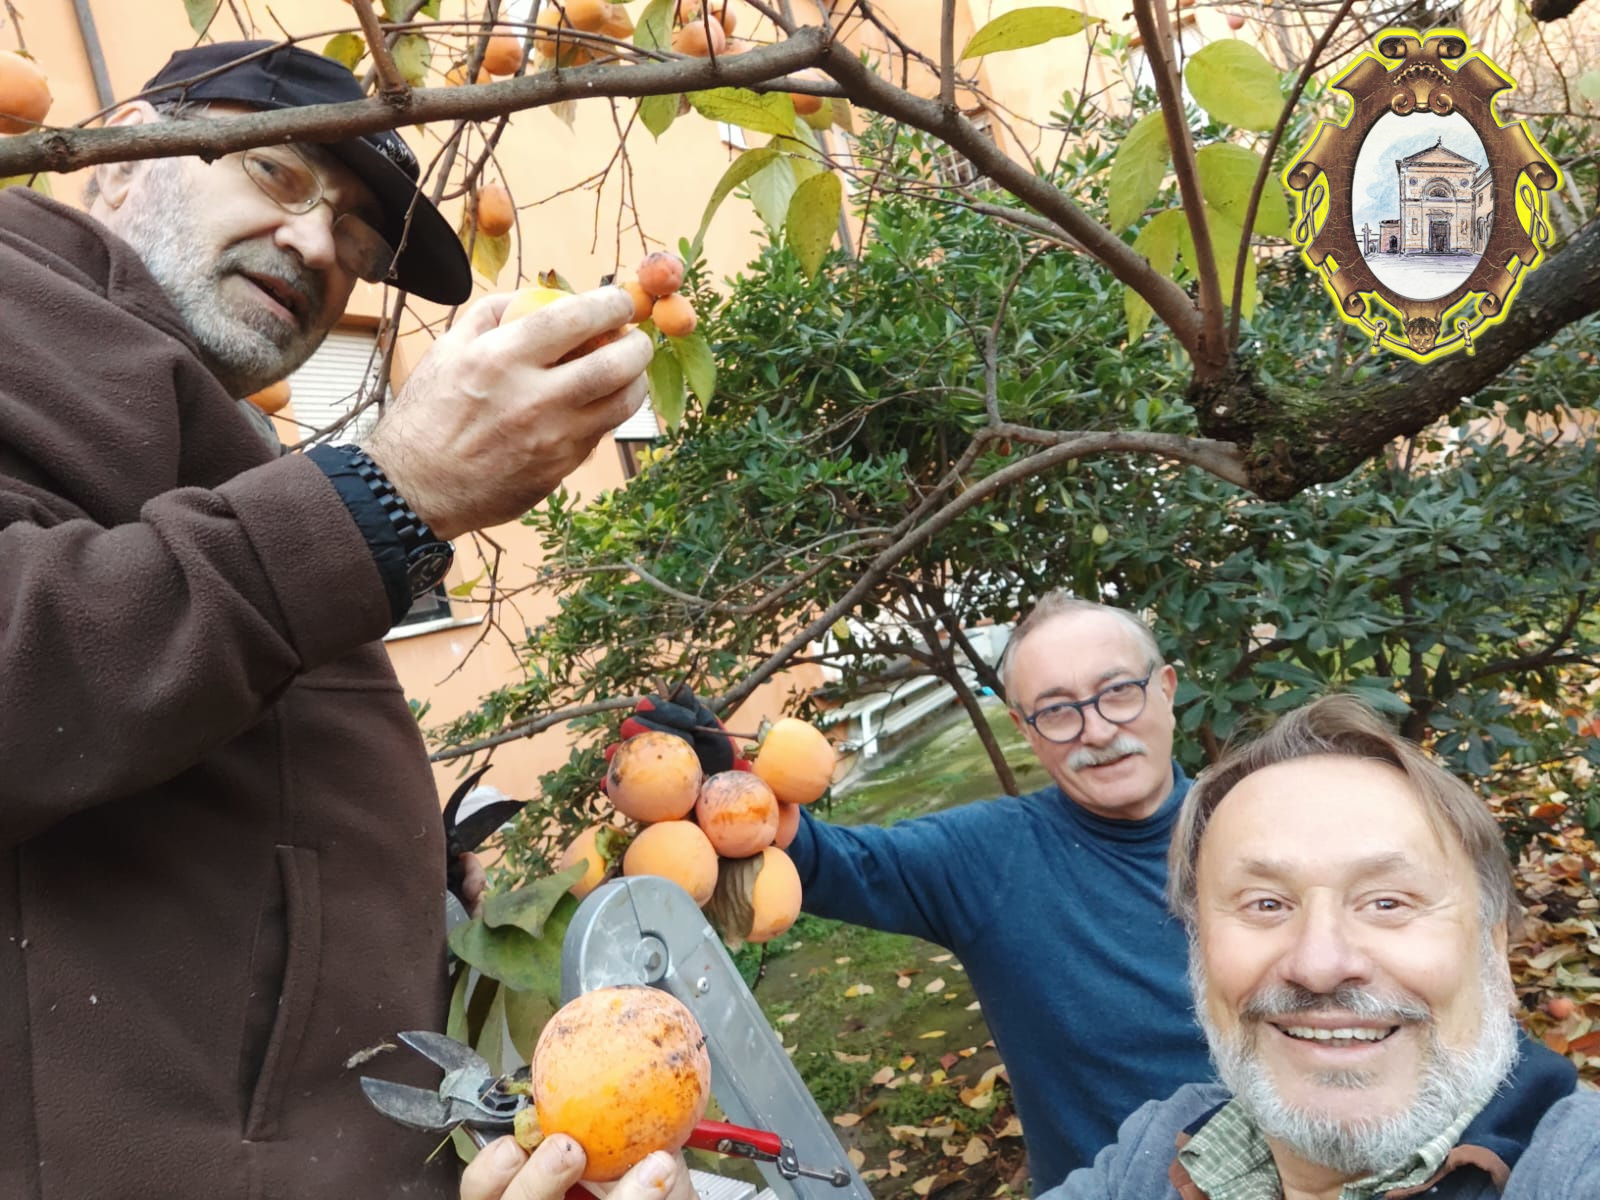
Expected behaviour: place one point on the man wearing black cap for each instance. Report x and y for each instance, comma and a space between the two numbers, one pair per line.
221, 859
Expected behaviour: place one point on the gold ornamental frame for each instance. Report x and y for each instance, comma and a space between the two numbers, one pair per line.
1413, 74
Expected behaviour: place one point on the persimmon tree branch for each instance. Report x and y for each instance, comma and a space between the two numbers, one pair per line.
391, 84
917, 529
870, 90
1208, 350
1264, 171
70, 149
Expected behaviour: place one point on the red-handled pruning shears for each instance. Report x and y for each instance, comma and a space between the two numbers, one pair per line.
472, 1097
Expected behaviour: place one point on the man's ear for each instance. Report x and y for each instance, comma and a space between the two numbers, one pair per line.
1169, 681
116, 179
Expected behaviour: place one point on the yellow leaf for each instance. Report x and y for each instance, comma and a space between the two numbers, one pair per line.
884, 1076
942, 1130
932, 1033
974, 1006
941, 958
1012, 1127
856, 1157
787, 1019
904, 981
851, 1058
907, 1062
858, 989
906, 1133
841, 960
924, 1185
977, 1150
846, 1120
936, 985
897, 1169
938, 1076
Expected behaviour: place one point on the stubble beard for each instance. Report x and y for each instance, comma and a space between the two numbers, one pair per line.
245, 347
1453, 1081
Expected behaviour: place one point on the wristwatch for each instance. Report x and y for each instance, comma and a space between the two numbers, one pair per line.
427, 558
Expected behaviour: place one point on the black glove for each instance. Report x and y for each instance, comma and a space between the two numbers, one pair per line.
477, 828
684, 716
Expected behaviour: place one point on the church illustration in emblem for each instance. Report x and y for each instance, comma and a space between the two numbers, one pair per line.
1423, 200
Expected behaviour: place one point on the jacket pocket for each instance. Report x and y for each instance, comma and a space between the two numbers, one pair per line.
299, 940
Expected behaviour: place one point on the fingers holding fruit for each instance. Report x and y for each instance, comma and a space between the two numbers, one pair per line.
503, 1170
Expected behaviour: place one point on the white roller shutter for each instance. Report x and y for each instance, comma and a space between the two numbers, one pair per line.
332, 382
641, 427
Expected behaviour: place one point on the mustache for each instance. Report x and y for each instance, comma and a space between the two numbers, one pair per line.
254, 258
1120, 746
1288, 1000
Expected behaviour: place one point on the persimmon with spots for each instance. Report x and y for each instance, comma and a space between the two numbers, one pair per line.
737, 812
503, 54
654, 776
597, 848
624, 1072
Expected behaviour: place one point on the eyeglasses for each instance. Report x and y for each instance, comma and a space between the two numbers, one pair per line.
290, 182
1119, 703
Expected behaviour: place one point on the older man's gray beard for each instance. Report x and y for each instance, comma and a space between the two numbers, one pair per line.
1453, 1081
246, 349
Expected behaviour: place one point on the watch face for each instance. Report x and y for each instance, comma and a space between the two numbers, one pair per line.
426, 566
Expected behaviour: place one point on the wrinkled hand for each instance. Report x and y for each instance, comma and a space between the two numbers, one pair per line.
685, 716
490, 423
504, 1171
474, 882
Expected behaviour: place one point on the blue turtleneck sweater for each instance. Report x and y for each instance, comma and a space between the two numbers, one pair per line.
1059, 917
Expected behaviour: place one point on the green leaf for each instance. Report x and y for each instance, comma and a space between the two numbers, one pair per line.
38, 182
528, 907
464, 588
1235, 84
770, 113
1589, 86
430, 10
844, 116
746, 165
489, 254
771, 189
508, 954
412, 54
654, 29
200, 13
699, 365
665, 377
1137, 171
657, 113
1022, 27
346, 48
455, 1024
1158, 242
394, 10
527, 1013
814, 219
1227, 175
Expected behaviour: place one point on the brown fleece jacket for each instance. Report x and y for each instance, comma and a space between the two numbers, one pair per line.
221, 859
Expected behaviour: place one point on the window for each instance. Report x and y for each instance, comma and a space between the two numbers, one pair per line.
427, 608
637, 433
954, 169
330, 384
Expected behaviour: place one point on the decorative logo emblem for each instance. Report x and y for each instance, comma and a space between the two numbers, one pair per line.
1422, 214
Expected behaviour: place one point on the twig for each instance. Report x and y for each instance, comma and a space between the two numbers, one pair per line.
391, 84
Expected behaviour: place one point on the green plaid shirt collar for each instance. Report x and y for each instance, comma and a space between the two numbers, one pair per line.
1229, 1159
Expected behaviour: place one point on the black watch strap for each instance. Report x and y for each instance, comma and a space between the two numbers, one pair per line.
410, 560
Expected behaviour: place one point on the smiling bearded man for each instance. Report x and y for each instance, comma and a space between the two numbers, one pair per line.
1348, 906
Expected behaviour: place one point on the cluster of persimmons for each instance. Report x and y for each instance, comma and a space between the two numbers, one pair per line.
720, 837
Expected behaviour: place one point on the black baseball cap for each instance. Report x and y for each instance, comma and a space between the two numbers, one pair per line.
432, 263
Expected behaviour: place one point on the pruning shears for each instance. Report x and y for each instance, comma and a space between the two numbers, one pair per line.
485, 1105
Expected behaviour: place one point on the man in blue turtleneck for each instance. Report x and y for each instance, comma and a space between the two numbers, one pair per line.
1055, 902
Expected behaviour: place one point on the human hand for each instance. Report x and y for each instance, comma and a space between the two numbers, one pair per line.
490, 422
684, 715
474, 882
504, 1171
